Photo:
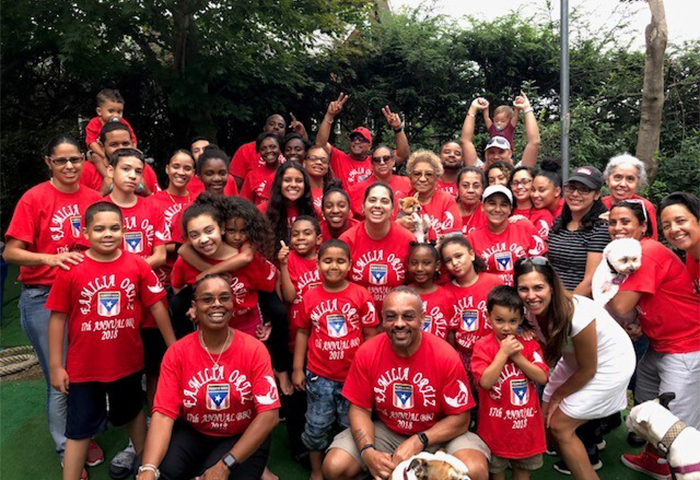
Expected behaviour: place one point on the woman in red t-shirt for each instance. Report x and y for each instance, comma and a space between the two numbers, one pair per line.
258, 182
317, 162
547, 187
217, 401
423, 169
42, 237
680, 217
520, 184
212, 174
337, 216
471, 182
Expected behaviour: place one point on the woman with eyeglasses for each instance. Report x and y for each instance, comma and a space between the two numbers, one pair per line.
42, 237
578, 237
317, 164
471, 182
520, 183
424, 169
661, 292
593, 355
217, 401
624, 174
383, 162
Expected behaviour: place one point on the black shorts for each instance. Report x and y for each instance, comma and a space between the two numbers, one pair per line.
87, 405
153, 350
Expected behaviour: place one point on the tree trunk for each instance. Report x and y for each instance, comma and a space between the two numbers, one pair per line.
656, 36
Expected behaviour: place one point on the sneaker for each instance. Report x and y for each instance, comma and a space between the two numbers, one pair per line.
561, 467
635, 440
601, 444
122, 465
95, 455
648, 464
551, 451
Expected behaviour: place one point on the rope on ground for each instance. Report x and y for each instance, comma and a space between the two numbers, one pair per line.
17, 359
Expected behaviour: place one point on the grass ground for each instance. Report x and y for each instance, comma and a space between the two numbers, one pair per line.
26, 449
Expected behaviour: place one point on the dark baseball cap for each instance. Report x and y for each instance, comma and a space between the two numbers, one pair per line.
589, 176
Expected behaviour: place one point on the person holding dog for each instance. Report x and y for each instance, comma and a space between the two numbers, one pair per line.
417, 388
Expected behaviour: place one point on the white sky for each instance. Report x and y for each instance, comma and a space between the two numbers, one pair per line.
682, 16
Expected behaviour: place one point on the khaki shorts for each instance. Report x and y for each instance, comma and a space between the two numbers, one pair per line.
386, 440
500, 464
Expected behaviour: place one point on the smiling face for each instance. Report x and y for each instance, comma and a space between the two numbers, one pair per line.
377, 207
423, 178
270, 151
204, 234
471, 188
104, 233
213, 303
180, 170
236, 232
304, 239
624, 223
451, 156
295, 150
127, 174
623, 182
458, 259
336, 209
544, 193
535, 292
504, 321
214, 175
275, 124
292, 184
496, 176
403, 318
579, 197
68, 174
383, 162
422, 266
317, 162
497, 209
334, 265
359, 146
495, 154
681, 228
521, 186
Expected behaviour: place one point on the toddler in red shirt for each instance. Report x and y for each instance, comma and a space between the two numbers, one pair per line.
102, 301
333, 322
507, 369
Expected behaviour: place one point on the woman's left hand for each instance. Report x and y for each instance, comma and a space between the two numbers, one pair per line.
527, 335
554, 402
263, 331
407, 223
217, 472
516, 218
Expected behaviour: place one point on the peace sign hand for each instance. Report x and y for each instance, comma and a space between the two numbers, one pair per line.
392, 119
334, 108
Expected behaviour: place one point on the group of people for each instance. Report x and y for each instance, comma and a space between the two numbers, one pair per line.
290, 279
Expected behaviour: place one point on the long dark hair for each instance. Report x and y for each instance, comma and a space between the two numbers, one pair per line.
589, 220
277, 208
257, 228
561, 307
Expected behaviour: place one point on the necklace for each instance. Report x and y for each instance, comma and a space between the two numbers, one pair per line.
223, 349
189, 200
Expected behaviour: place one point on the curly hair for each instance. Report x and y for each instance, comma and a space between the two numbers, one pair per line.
277, 207
257, 228
207, 203
425, 156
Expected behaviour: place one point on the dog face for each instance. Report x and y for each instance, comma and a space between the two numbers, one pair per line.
624, 255
433, 470
410, 205
652, 419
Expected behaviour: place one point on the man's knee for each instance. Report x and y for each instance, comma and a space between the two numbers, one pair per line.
339, 465
476, 462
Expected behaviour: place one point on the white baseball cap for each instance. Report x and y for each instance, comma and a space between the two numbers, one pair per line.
497, 189
498, 142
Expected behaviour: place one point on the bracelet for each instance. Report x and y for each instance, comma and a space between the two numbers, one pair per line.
149, 468
329, 121
469, 114
366, 447
398, 130
527, 110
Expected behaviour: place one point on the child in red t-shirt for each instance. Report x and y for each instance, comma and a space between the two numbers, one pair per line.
438, 302
334, 321
257, 186
102, 301
508, 369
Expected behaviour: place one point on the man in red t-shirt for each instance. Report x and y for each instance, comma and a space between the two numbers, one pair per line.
356, 166
247, 157
417, 389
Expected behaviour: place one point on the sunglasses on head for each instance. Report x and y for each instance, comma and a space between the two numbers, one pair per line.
638, 202
538, 261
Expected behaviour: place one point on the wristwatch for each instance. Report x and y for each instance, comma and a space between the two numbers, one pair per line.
366, 447
230, 461
423, 439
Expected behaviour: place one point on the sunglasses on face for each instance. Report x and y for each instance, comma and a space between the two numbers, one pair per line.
384, 159
61, 161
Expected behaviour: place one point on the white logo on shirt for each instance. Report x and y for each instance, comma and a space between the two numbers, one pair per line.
272, 394
462, 397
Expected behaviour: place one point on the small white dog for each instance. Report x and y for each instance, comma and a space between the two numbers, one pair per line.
621, 258
658, 426
431, 466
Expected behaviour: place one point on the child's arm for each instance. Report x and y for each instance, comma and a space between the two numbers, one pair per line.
160, 314
158, 258
493, 371
98, 158
57, 330
288, 291
243, 258
369, 332
300, 347
533, 372
514, 120
487, 118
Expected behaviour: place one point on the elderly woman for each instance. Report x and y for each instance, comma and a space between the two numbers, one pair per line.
424, 168
624, 174
217, 400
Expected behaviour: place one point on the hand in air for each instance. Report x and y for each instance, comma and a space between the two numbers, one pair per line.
335, 107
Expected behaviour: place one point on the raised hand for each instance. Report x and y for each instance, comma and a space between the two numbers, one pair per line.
283, 255
297, 126
480, 103
521, 102
392, 119
335, 107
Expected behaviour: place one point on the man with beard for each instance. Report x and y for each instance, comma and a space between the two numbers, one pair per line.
356, 166
452, 161
417, 389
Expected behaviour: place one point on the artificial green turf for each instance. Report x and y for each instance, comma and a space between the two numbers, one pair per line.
26, 448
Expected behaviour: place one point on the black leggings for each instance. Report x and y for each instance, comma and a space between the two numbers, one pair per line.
190, 453
274, 311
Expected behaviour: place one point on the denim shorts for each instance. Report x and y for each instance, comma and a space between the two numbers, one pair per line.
325, 405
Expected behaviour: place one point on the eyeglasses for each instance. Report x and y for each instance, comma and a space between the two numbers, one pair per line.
392, 317
582, 189
385, 159
524, 183
323, 160
358, 138
61, 161
210, 299
539, 261
427, 175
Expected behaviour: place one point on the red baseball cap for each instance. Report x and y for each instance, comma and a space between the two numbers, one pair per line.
364, 132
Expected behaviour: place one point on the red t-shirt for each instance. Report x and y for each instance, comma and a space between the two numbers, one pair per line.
257, 186
49, 221
326, 233
243, 159
195, 187
317, 196
399, 185
172, 207
378, 265
94, 127
474, 221
500, 251
558, 209
304, 275
349, 171
648, 206
90, 177
336, 320
443, 212
693, 266
449, 188
469, 317
668, 309
541, 218
409, 395
510, 421
437, 307
222, 401
105, 303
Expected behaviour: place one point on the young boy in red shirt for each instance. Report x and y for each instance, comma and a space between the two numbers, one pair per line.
507, 369
102, 300
333, 322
